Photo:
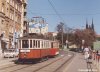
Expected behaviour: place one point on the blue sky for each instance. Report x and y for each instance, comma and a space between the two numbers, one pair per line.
73, 12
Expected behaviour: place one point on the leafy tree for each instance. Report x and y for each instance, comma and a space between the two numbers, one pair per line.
87, 35
75, 36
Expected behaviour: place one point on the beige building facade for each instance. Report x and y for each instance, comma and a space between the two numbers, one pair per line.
12, 15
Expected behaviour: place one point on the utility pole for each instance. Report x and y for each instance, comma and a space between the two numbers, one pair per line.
67, 37
62, 33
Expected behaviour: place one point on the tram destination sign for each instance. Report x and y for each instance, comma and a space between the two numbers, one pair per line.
24, 50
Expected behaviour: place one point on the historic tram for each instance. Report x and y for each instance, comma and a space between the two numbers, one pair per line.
31, 49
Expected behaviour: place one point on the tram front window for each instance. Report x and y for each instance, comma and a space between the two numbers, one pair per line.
25, 44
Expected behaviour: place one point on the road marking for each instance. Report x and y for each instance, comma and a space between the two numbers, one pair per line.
69, 55
87, 70
6, 64
62, 55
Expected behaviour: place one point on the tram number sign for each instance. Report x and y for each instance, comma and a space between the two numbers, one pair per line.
24, 50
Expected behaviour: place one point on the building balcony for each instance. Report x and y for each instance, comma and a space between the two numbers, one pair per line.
2, 14
25, 1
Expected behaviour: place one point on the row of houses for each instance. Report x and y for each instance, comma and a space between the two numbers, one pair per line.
12, 21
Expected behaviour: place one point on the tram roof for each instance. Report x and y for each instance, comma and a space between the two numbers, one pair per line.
33, 36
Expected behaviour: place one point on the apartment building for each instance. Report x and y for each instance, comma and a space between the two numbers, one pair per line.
12, 20
24, 26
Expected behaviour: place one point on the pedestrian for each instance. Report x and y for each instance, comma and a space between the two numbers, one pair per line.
86, 52
97, 52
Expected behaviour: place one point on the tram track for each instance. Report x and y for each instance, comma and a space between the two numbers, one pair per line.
56, 70
21, 67
46, 65
7, 67
66, 62
38, 68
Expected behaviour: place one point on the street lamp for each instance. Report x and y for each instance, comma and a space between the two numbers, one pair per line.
66, 43
83, 41
62, 33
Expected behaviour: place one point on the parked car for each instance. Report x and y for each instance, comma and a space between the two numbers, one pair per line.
74, 49
11, 53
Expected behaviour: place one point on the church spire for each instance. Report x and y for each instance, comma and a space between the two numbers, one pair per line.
92, 25
87, 24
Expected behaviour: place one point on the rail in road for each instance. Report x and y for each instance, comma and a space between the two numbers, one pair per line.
50, 65
57, 63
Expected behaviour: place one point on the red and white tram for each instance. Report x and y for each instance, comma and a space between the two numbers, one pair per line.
36, 49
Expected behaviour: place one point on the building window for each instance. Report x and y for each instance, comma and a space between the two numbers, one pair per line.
12, 30
16, 6
13, 3
2, 22
10, 15
7, 12
2, 9
8, 1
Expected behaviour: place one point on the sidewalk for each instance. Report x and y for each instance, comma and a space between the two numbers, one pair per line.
6, 61
79, 64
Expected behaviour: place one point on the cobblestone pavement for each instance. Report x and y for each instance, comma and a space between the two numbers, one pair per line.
79, 64
5, 61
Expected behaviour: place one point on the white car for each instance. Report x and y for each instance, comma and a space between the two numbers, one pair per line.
11, 53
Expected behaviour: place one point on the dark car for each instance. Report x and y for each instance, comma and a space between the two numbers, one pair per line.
74, 49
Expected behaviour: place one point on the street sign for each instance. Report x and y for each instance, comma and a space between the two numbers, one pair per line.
83, 41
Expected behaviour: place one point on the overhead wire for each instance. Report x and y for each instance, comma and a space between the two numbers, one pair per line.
59, 15
67, 14
55, 10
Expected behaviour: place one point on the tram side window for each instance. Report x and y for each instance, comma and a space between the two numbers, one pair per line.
42, 44
34, 44
49, 44
38, 44
46, 44
25, 44
52, 45
19, 43
30, 43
